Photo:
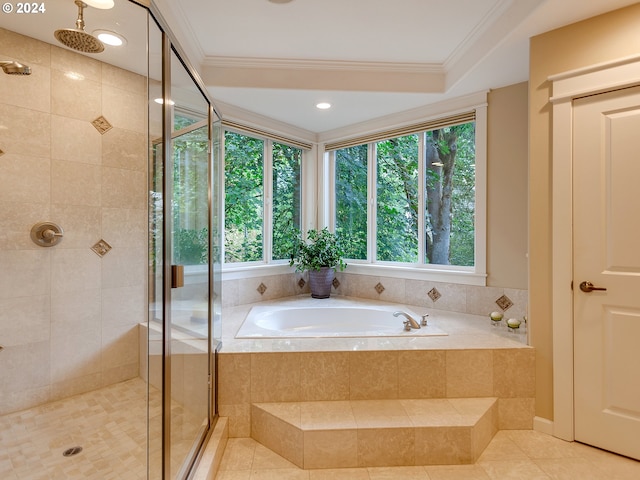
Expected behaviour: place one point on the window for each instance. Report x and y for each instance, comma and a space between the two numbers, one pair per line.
262, 194
423, 188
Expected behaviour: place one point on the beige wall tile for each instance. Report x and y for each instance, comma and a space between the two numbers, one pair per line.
275, 377
469, 373
119, 346
124, 79
80, 223
75, 385
330, 448
84, 104
123, 188
124, 227
124, 267
67, 61
124, 149
27, 49
76, 311
239, 416
386, 447
482, 300
516, 413
367, 382
234, 379
25, 273
16, 220
14, 400
24, 320
29, 369
443, 446
75, 140
124, 305
422, 374
74, 270
324, 376
74, 355
32, 91
119, 374
24, 179
75, 183
26, 132
124, 109
339, 474
514, 372
281, 437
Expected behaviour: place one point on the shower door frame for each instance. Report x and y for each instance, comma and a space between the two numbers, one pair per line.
169, 47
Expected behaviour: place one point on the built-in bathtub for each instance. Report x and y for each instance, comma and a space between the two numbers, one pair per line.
329, 319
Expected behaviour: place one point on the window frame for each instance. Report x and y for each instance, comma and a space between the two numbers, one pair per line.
473, 275
267, 200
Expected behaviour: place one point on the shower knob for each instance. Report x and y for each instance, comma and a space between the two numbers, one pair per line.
46, 234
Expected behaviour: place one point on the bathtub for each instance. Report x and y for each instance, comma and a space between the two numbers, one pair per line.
329, 320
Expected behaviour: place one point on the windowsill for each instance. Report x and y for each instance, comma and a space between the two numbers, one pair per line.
437, 274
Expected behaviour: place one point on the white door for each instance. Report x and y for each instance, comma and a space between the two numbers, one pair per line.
606, 196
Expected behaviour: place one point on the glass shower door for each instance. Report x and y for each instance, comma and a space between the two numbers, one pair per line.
190, 294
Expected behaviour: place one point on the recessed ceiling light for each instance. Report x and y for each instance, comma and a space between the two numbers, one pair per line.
323, 105
110, 38
101, 4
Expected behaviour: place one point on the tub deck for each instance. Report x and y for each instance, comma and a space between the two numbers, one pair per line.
464, 331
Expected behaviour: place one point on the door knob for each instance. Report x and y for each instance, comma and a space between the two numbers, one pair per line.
587, 287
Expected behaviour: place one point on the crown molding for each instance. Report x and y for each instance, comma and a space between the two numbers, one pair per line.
268, 124
329, 65
407, 117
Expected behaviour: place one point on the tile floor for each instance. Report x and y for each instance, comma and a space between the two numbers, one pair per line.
110, 424
512, 454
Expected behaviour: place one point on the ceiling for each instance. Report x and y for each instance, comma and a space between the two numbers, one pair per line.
368, 58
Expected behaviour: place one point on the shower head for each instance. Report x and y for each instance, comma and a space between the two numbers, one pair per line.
14, 68
77, 38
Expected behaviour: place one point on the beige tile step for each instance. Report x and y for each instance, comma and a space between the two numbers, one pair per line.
376, 433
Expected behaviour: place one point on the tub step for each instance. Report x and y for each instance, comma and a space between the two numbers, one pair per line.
376, 433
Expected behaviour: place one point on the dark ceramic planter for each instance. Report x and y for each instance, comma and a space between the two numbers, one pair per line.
320, 282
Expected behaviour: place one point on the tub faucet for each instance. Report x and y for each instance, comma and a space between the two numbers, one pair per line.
409, 323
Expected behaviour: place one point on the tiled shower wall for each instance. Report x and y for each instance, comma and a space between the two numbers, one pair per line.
68, 317
428, 294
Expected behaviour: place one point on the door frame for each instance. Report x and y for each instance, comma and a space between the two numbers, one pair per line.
565, 87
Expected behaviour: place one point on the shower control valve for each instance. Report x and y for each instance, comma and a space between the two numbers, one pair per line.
46, 234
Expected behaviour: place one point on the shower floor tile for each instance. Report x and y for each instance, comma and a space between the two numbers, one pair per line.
109, 424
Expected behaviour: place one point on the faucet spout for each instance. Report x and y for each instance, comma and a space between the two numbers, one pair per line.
409, 318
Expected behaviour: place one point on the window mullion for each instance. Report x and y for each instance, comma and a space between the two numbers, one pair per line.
267, 232
422, 203
372, 217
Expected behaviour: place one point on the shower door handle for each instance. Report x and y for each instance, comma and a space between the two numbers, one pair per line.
177, 276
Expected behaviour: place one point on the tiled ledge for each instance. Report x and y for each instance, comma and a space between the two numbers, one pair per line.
464, 331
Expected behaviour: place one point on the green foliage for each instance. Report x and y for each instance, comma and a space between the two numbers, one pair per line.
351, 200
321, 249
286, 199
243, 198
191, 246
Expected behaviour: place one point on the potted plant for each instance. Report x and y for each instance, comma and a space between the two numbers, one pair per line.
320, 254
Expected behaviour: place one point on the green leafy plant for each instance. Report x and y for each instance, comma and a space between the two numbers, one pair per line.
321, 249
